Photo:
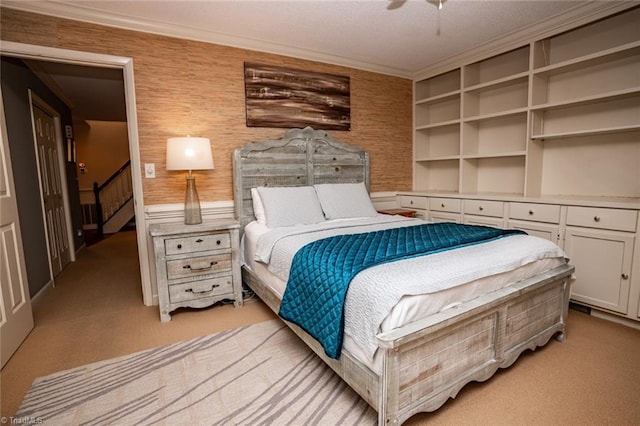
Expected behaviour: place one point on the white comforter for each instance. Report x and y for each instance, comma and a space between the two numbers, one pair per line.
374, 292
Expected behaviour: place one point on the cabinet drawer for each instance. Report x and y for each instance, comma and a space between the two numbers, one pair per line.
483, 208
195, 266
538, 212
413, 202
603, 218
445, 204
496, 222
196, 243
200, 289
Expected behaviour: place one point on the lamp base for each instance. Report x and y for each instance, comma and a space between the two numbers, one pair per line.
192, 214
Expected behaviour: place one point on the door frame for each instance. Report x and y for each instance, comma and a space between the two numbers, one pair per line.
52, 54
36, 101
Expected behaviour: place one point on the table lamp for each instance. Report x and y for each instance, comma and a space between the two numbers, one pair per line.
190, 153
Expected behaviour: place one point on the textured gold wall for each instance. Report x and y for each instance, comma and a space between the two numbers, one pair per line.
188, 87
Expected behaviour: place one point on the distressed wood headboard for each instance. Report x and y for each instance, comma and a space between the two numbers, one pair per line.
300, 157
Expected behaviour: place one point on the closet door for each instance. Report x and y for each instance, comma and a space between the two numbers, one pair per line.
16, 318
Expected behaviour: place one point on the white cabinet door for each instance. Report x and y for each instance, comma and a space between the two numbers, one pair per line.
603, 267
547, 231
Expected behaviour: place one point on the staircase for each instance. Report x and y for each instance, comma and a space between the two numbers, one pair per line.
112, 205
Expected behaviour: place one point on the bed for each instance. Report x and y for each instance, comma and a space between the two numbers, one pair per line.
422, 359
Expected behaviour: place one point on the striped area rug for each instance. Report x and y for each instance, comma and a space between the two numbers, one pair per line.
261, 374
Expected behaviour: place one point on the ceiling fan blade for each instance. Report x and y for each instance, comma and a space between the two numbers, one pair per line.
394, 4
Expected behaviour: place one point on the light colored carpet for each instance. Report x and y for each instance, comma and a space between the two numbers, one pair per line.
258, 374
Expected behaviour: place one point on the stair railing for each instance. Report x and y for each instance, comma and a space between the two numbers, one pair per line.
112, 195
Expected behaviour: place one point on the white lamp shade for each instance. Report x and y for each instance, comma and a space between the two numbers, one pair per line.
189, 153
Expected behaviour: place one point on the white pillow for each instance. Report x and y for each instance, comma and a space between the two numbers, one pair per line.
258, 207
345, 200
292, 205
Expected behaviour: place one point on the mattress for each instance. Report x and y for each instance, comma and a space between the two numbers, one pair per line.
446, 280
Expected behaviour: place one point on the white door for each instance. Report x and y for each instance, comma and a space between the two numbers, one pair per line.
603, 262
16, 319
44, 130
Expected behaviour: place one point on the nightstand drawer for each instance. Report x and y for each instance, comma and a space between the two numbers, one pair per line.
538, 212
200, 289
195, 266
196, 243
603, 218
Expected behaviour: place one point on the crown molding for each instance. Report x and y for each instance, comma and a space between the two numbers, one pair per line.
564, 21
86, 14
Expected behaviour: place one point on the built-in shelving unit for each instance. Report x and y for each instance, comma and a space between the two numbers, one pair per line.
569, 101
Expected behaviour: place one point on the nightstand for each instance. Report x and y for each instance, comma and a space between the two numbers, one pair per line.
196, 265
400, 212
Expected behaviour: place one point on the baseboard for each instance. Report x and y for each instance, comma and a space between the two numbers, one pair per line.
43, 290
615, 318
604, 315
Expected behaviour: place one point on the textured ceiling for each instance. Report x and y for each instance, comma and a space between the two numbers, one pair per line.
395, 37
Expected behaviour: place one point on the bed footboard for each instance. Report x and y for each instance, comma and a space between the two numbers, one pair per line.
428, 361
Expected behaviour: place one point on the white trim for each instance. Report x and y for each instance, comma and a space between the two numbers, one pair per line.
384, 200
86, 14
210, 210
42, 291
595, 312
30, 51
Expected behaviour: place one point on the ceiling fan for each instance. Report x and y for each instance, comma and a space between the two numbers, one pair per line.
394, 4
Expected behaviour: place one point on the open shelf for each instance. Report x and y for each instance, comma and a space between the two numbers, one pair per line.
437, 142
442, 111
495, 136
610, 116
596, 39
497, 68
437, 175
496, 125
438, 86
496, 99
503, 175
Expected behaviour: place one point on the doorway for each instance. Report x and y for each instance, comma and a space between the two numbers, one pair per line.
124, 64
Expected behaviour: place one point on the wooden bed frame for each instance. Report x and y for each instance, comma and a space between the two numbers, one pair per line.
428, 361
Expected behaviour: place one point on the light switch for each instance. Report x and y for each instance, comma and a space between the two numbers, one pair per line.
149, 170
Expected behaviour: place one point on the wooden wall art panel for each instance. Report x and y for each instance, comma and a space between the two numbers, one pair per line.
290, 98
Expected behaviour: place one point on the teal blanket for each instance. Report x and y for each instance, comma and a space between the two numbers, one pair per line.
322, 270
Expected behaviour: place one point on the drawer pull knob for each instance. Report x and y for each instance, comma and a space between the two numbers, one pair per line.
190, 290
442, 205
200, 268
530, 212
480, 208
179, 246
596, 218
218, 242
625, 276
411, 202
199, 240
